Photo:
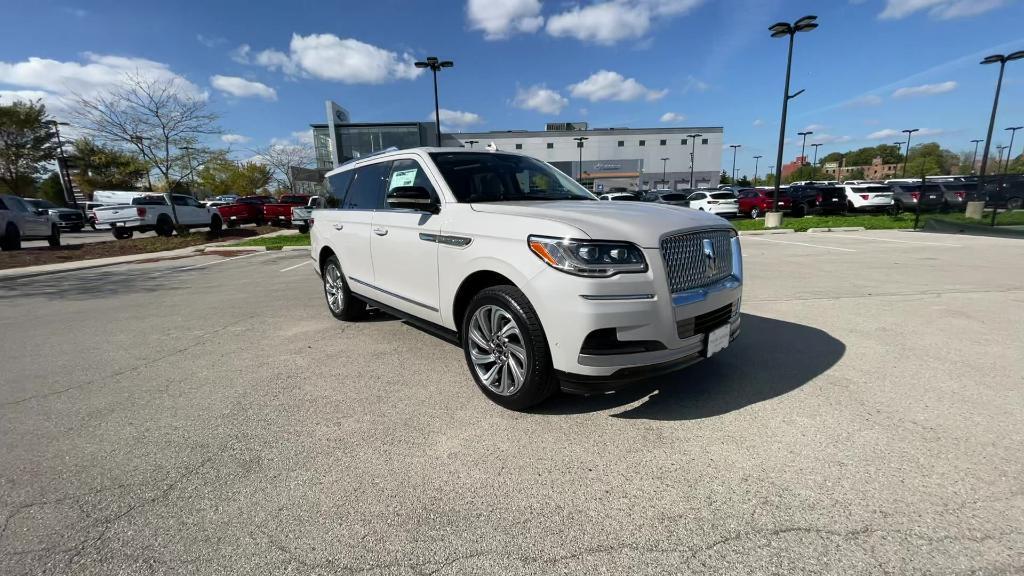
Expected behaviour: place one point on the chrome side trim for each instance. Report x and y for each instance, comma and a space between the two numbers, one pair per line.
605, 297
393, 295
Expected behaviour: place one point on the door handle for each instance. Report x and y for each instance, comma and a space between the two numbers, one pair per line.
339, 226
380, 231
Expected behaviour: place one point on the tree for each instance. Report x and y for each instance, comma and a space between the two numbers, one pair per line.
930, 159
857, 174
281, 157
157, 117
27, 143
221, 175
106, 168
51, 189
251, 177
723, 178
743, 181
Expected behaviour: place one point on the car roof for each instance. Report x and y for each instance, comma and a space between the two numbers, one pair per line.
419, 151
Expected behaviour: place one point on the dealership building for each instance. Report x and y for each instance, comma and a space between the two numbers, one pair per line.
612, 158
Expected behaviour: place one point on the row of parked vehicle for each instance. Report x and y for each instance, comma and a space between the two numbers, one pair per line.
936, 193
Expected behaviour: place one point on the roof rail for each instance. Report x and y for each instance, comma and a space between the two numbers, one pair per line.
370, 155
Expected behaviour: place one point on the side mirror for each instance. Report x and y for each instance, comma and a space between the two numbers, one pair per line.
42, 212
412, 198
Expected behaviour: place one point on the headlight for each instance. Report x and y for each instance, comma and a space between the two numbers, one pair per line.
588, 257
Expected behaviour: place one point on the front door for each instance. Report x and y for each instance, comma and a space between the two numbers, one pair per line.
35, 224
404, 244
189, 211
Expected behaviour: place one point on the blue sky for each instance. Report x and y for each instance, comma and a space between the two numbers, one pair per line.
873, 66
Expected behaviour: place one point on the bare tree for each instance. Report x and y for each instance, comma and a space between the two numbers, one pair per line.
157, 117
281, 157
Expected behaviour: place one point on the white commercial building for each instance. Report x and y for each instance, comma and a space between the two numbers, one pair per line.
630, 158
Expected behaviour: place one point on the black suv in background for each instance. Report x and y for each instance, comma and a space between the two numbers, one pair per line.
817, 200
912, 195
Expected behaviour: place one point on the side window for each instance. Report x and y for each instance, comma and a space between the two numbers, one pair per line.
409, 173
519, 146
17, 205
703, 140
551, 145
683, 142
180, 200
337, 186
366, 192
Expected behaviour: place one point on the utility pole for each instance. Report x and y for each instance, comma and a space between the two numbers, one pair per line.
693, 150
734, 148
757, 160
906, 157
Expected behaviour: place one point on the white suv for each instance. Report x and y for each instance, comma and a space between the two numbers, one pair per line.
541, 284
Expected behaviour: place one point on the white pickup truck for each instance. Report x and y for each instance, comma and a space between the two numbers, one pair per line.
20, 221
152, 212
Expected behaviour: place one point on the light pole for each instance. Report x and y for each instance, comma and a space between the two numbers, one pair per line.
734, 148
803, 145
757, 160
434, 64
815, 161
693, 151
62, 164
579, 144
1002, 60
1009, 149
906, 157
664, 164
471, 142
974, 160
779, 30
1000, 161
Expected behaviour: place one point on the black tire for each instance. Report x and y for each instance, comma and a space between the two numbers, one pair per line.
164, 226
216, 225
122, 233
92, 225
539, 381
897, 208
11, 239
1015, 203
850, 207
800, 210
303, 229
232, 223
76, 228
54, 238
755, 212
348, 307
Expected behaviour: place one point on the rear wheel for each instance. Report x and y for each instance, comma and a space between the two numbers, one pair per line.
340, 301
303, 229
164, 226
122, 233
800, 210
1015, 203
506, 350
755, 212
232, 224
11, 239
54, 238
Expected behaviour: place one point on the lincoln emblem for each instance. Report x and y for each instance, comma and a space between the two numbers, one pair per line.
709, 253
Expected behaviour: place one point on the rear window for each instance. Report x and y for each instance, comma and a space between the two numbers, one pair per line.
673, 197
875, 189
149, 201
722, 195
286, 199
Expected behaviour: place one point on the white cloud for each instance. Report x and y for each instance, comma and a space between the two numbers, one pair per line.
608, 85
456, 119
884, 133
925, 89
613, 20
296, 138
940, 9
891, 133
242, 88
210, 41
328, 57
672, 117
814, 127
241, 54
827, 139
234, 138
863, 101
501, 18
758, 122
693, 84
540, 98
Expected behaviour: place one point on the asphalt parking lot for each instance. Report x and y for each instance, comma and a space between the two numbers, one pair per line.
208, 416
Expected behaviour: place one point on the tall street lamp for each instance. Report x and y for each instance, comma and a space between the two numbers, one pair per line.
734, 148
471, 142
778, 30
974, 160
579, 144
664, 164
62, 165
906, 157
434, 64
803, 145
815, 161
693, 151
757, 160
1000, 161
1009, 149
1001, 60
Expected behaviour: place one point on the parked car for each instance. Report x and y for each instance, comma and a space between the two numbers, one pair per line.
956, 194
154, 213
302, 216
754, 202
244, 210
868, 197
668, 197
66, 218
816, 200
1009, 193
470, 253
619, 196
280, 213
721, 203
116, 197
913, 195
19, 221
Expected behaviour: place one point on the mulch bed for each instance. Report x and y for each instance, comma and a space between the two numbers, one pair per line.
47, 255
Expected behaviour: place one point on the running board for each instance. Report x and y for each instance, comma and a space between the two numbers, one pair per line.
450, 336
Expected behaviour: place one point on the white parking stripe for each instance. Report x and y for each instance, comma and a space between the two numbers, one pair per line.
294, 267
800, 244
219, 261
833, 234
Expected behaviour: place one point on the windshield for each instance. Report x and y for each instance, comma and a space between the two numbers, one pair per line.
40, 203
490, 177
293, 199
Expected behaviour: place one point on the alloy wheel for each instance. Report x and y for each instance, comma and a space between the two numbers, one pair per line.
497, 350
335, 288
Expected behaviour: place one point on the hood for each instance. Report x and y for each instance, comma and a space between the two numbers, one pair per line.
643, 223
64, 210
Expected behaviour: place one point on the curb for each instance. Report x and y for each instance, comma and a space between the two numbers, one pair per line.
229, 248
766, 232
295, 248
839, 229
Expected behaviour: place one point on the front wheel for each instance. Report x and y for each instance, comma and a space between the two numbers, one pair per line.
303, 229
755, 212
1015, 203
122, 233
340, 301
216, 225
54, 238
164, 227
506, 350
11, 240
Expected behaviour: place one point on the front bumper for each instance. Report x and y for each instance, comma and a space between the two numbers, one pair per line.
649, 323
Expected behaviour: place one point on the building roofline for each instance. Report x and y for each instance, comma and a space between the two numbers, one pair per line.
363, 124
593, 131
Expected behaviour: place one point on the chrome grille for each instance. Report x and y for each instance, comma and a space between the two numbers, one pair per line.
688, 266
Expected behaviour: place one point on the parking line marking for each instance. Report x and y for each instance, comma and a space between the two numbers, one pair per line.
802, 244
294, 267
831, 234
219, 261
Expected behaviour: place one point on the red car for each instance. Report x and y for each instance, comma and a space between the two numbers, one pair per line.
245, 210
754, 202
280, 213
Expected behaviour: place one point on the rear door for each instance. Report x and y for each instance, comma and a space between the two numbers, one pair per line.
350, 227
404, 245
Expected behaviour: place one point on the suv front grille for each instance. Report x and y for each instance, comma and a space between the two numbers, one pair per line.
692, 263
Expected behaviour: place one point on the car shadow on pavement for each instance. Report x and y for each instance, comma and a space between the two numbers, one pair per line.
768, 359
